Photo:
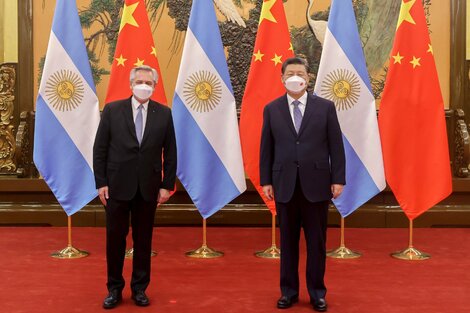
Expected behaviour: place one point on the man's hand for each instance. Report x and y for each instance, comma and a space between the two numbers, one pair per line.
268, 192
336, 190
163, 196
103, 194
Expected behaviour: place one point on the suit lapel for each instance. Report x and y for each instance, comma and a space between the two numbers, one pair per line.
127, 111
284, 108
309, 109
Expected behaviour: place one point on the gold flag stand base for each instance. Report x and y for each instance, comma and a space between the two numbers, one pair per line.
342, 252
70, 252
204, 252
272, 252
130, 253
411, 254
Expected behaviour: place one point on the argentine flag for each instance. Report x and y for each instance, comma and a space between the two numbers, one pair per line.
343, 78
67, 113
210, 164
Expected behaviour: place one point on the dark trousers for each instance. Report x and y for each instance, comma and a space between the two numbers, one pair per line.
312, 217
117, 227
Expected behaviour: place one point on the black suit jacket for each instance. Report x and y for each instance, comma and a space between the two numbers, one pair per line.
122, 165
316, 154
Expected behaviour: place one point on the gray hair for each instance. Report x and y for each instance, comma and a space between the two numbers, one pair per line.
145, 68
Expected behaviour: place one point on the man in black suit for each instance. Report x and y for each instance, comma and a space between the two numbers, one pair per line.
302, 166
135, 137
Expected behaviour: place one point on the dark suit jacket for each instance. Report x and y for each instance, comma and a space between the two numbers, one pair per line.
122, 165
316, 153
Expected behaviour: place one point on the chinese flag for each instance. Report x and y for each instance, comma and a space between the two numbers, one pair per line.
134, 47
411, 118
272, 47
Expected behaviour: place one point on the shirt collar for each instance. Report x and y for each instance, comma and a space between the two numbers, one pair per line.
136, 104
302, 99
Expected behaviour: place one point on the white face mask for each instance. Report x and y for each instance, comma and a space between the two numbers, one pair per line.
295, 84
142, 91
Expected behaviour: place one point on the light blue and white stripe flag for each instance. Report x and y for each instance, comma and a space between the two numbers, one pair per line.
67, 113
343, 78
210, 164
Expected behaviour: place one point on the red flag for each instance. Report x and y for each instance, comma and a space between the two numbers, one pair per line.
134, 47
411, 118
272, 48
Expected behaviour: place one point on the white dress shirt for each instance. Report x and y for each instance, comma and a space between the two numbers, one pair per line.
302, 105
135, 110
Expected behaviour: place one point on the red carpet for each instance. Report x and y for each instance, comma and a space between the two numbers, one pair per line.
31, 281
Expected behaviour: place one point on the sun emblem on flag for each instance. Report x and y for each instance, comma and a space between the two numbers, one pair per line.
64, 90
342, 87
202, 91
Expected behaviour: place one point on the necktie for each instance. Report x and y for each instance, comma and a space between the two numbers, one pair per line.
139, 124
297, 116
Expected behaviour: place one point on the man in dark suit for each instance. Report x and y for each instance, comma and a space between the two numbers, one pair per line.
302, 166
135, 137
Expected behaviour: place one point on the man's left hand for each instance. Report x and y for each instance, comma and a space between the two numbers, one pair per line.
163, 196
336, 190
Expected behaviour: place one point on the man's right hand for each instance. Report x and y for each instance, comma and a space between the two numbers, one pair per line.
268, 191
103, 194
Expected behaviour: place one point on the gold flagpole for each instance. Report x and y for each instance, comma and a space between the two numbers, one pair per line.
411, 254
272, 252
204, 252
70, 252
342, 252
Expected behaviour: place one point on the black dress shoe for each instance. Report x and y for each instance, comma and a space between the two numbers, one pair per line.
140, 298
112, 300
286, 302
319, 305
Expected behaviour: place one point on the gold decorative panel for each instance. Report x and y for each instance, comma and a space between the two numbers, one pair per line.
7, 129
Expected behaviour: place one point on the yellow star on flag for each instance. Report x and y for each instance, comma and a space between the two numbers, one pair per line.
405, 14
154, 51
121, 60
127, 16
291, 48
415, 62
276, 59
266, 13
139, 62
258, 56
430, 50
397, 58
